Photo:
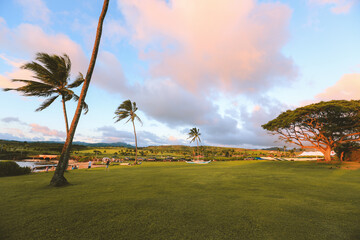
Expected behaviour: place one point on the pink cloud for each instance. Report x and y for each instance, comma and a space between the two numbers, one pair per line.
27, 40
35, 128
347, 88
204, 45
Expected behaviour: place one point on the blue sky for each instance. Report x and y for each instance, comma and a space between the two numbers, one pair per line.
223, 67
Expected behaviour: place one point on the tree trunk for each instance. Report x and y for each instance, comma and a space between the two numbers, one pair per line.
65, 115
197, 149
327, 155
66, 123
58, 179
135, 143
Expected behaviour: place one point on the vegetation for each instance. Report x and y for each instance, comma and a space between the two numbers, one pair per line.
323, 126
10, 168
127, 110
15, 150
58, 179
342, 150
221, 200
194, 135
52, 73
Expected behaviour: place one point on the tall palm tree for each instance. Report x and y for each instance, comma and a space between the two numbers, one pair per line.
194, 134
58, 178
127, 109
52, 74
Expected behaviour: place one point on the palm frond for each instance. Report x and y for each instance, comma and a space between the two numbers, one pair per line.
46, 103
57, 65
40, 72
134, 108
85, 106
67, 94
78, 81
137, 117
33, 88
194, 134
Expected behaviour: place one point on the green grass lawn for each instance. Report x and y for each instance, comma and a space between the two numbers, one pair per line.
221, 200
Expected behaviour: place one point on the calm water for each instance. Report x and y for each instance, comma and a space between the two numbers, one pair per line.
30, 164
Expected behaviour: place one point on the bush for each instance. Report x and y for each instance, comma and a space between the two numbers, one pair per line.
9, 168
84, 158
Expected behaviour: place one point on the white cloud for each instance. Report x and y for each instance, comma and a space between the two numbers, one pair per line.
337, 6
16, 129
145, 138
35, 10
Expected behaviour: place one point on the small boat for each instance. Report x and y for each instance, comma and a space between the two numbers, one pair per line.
198, 162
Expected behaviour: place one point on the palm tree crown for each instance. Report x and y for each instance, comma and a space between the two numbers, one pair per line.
194, 134
52, 73
127, 109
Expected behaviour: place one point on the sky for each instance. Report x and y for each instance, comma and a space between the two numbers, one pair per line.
225, 67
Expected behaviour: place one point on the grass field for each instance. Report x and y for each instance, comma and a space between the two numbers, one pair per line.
221, 200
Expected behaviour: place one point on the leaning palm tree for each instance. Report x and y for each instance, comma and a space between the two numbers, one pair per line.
127, 109
58, 178
194, 134
52, 74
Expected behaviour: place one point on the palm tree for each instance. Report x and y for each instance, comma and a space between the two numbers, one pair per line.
58, 179
127, 109
52, 74
194, 134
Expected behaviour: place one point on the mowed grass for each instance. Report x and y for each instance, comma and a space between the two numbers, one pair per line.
221, 200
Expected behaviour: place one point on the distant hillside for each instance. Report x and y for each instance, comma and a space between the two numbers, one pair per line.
272, 148
117, 144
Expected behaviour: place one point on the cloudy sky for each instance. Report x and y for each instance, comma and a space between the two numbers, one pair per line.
225, 67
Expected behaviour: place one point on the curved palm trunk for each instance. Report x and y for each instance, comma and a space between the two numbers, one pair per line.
65, 115
135, 143
66, 122
58, 179
197, 149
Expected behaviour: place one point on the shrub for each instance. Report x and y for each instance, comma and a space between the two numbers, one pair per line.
84, 158
10, 168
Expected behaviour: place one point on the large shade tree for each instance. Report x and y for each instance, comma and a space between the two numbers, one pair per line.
322, 126
58, 179
52, 74
127, 110
194, 135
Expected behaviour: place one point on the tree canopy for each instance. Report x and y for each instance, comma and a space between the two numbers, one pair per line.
52, 74
323, 125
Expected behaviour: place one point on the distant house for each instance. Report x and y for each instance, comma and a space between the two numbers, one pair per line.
48, 156
314, 153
